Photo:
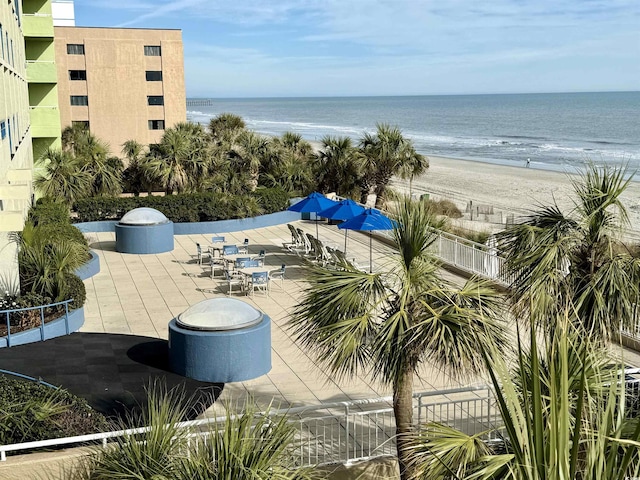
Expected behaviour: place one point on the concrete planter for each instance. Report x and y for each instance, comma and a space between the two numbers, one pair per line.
91, 268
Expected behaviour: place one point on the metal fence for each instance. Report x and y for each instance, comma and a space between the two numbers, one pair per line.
336, 432
17, 314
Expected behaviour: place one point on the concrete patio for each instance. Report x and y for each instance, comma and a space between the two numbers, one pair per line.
140, 294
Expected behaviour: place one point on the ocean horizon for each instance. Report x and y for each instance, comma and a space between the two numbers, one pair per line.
556, 131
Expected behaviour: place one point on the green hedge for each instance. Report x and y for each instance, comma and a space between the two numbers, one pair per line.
188, 207
48, 212
30, 412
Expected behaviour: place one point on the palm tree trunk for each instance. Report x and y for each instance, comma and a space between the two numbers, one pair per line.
403, 412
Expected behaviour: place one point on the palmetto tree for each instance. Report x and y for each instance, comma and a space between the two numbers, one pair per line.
557, 257
62, 177
225, 127
339, 167
247, 154
387, 324
388, 153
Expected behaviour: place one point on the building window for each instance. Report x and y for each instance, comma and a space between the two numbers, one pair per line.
155, 100
77, 74
75, 48
81, 100
152, 50
3, 130
154, 75
156, 124
82, 123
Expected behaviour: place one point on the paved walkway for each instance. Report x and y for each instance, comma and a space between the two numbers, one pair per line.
140, 294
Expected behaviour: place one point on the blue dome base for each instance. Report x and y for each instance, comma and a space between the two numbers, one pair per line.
144, 239
221, 356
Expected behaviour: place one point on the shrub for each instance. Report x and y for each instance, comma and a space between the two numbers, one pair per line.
187, 207
73, 287
30, 411
445, 207
272, 199
48, 212
473, 235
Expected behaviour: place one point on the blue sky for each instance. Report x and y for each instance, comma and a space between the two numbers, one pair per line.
258, 48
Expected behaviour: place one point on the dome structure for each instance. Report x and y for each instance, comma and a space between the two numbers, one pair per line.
219, 314
143, 216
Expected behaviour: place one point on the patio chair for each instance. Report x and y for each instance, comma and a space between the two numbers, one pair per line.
217, 263
230, 250
294, 238
217, 240
244, 248
278, 275
260, 257
241, 263
233, 279
259, 281
199, 253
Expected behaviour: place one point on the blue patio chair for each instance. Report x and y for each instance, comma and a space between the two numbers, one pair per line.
242, 263
229, 250
217, 240
259, 281
252, 263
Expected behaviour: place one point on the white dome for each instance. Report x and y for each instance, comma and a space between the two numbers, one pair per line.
219, 314
143, 216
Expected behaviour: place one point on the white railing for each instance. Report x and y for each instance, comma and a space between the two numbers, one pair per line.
463, 254
335, 432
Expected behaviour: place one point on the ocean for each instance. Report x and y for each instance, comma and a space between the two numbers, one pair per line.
558, 131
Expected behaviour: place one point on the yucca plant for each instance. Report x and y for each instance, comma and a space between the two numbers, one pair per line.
563, 417
246, 446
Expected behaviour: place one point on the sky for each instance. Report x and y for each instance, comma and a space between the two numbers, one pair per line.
290, 48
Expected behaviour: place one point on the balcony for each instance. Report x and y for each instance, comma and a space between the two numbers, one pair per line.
41, 72
40, 25
45, 122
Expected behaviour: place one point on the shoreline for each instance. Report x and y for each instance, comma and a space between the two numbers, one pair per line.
509, 189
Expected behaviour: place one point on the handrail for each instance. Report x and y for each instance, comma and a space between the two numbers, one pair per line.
104, 436
7, 314
27, 377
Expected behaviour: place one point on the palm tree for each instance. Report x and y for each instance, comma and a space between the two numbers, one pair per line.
387, 324
557, 258
247, 155
388, 153
339, 167
564, 417
62, 177
415, 166
226, 126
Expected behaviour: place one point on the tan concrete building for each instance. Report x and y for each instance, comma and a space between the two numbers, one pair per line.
124, 83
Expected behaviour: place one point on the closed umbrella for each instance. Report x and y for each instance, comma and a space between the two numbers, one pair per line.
343, 210
370, 220
313, 203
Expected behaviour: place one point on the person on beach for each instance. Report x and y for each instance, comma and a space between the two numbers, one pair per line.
528, 162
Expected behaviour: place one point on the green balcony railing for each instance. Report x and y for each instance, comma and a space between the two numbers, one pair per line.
41, 72
45, 121
40, 25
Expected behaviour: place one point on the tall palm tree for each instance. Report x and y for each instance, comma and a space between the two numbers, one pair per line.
339, 167
62, 177
248, 153
387, 324
388, 153
415, 166
556, 258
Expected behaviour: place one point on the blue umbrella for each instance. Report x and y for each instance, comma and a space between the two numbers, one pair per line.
343, 210
369, 220
313, 203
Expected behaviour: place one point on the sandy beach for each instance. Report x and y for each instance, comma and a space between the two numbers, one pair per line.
514, 190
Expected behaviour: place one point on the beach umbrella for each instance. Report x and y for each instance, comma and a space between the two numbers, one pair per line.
368, 221
343, 210
313, 203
